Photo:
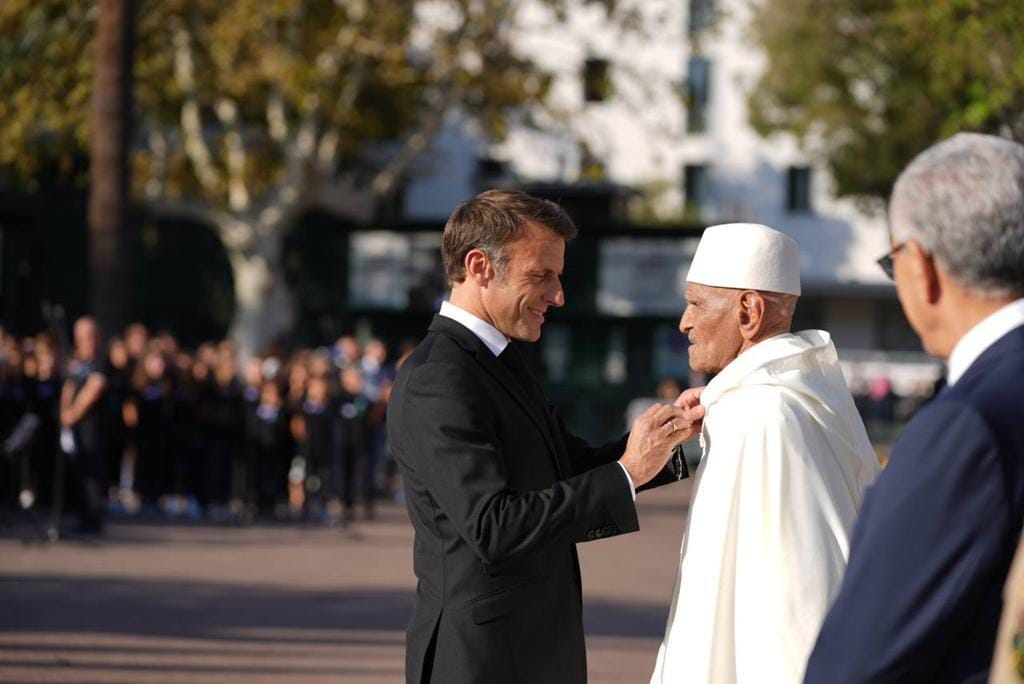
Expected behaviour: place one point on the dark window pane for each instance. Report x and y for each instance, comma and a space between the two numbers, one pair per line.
488, 168
701, 14
597, 84
695, 190
798, 188
698, 88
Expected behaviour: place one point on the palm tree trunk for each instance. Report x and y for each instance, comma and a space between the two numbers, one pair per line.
109, 181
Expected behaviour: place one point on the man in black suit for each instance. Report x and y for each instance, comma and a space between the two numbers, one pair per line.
921, 598
499, 492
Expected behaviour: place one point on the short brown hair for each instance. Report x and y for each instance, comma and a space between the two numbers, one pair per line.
490, 221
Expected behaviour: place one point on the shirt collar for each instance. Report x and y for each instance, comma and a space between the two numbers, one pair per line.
492, 338
981, 337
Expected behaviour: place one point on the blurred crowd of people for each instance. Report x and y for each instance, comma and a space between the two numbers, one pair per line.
141, 425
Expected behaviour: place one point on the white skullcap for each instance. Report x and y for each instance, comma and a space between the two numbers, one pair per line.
746, 256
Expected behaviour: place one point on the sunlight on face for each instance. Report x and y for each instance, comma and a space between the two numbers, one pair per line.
518, 299
711, 322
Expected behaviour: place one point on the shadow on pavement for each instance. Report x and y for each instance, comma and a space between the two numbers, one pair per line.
226, 612
190, 609
614, 619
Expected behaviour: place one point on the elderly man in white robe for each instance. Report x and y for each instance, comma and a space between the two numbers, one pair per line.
784, 466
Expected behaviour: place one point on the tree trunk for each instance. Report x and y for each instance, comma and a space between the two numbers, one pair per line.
264, 311
109, 184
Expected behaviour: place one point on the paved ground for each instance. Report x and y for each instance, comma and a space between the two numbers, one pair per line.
281, 604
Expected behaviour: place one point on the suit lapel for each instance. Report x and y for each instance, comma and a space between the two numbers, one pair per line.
515, 387
549, 418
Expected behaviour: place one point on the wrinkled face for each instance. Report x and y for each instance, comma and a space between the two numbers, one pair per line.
711, 322
911, 266
518, 299
911, 285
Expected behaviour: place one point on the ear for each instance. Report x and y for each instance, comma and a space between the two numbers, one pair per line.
479, 268
925, 271
751, 313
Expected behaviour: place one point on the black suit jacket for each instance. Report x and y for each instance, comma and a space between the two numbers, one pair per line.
922, 594
498, 492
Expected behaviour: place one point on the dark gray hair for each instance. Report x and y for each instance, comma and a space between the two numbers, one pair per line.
962, 200
492, 220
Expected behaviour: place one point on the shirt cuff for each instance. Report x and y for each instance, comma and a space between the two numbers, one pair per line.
632, 489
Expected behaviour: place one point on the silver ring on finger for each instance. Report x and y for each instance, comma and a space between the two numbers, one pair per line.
675, 428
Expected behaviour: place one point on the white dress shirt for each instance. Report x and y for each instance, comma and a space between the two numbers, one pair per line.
495, 341
492, 338
981, 337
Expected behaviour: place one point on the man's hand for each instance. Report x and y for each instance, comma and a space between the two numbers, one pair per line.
655, 433
689, 401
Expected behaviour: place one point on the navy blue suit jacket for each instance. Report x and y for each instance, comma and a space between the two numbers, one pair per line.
922, 594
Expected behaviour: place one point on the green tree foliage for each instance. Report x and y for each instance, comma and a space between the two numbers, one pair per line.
251, 112
867, 84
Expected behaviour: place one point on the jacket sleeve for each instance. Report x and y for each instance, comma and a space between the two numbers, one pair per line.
932, 536
447, 437
583, 457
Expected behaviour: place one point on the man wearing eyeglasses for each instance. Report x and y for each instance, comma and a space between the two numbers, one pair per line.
921, 598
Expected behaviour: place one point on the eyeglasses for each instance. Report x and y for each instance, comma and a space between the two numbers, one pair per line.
885, 263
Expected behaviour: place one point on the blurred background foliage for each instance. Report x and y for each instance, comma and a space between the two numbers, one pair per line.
870, 83
249, 114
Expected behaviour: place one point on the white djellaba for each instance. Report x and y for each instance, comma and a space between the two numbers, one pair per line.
785, 463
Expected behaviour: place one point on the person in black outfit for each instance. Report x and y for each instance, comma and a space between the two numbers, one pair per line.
118, 388
226, 434
12, 406
499, 492
42, 398
189, 453
244, 473
316, 444
152, 401
273, 450
381, 459
351, 433
81, 412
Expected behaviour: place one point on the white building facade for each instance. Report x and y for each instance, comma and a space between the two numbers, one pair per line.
653, 97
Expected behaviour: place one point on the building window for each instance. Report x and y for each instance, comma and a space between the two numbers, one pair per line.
798, 188
488, 167
597, 82
698, 87
695, 190
701, 14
